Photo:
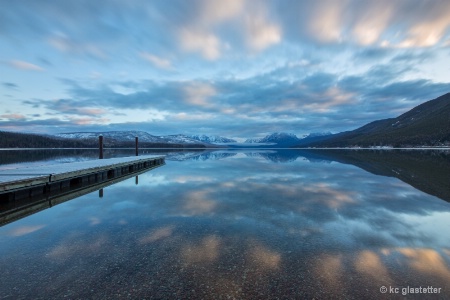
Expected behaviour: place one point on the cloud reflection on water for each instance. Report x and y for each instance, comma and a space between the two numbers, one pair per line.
157, 234
369, 264
427, 261
197, 203
244, 228
23, 230
207, 251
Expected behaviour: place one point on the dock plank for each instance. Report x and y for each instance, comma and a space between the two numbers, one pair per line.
29, 176
11, 182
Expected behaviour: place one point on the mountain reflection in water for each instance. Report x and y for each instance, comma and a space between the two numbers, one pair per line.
244, 224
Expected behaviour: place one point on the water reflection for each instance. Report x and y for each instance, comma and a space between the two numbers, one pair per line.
13, 158
12, 210
239, 226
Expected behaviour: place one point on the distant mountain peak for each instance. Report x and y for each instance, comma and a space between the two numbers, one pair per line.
211, 138
316, 134
253, 140
279, 138
115, 135
282, 134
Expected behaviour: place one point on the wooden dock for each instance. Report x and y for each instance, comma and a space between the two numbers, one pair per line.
21, 187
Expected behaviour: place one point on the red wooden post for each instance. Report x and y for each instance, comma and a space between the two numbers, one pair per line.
137, 146
100, 149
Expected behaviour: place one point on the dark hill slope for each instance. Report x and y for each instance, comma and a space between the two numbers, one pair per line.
25, 140
427, 170
427, 124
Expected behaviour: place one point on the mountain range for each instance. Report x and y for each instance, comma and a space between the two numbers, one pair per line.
145, 137
212, 139
283, 139
112, 139
277, 139
427, 124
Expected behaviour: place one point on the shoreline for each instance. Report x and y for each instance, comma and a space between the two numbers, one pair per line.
243, 148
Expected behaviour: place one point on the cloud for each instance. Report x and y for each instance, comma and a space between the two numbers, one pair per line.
199, 94
206, 43
52, 125
261, 33
326, 21
409, 24
262, 104
431, 25
413, 57
216, 27
13, 117
182, 116
197, 34
235, 66
217, 12
332, 97
371, 22
89, 121
96, 29
10, 85
23, 65
66, 106
65, 44
156, 61
369, 54
412, 90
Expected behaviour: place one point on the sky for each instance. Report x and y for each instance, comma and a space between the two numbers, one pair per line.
236, 68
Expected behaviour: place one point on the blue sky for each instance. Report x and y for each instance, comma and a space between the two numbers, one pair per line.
237, 68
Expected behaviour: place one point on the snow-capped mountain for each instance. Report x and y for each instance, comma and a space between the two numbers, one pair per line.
277, 139
201, 156
316, 134
212, 139
129, 136
179, 139
252, 141
284, 139
280, 138
121, 136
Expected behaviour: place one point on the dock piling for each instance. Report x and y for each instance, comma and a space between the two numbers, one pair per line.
100, 146
137, 146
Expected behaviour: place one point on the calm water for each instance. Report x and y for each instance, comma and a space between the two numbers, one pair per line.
240, 224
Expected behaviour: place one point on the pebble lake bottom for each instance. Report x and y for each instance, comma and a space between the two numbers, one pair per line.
248, 224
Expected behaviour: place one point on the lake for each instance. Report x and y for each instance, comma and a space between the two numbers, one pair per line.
240, 224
